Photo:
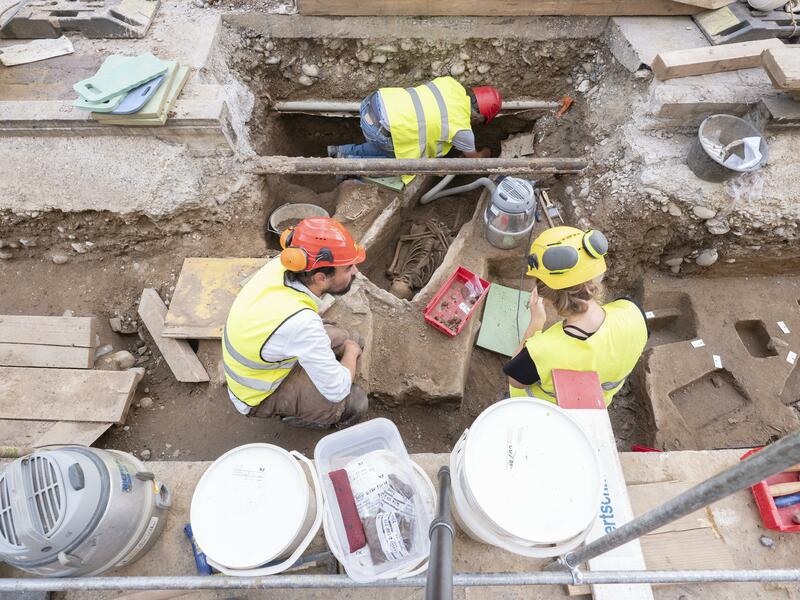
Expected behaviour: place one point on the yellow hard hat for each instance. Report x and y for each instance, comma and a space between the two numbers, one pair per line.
565, 256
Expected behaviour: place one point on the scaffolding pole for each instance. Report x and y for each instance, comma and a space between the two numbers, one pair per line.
223, 582
296, 165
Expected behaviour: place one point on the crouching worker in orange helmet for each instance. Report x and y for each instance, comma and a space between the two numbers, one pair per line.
279, 357
605, 338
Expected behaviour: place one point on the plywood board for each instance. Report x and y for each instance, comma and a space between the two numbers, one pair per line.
783, 66
711, 59
601, 8
51, 331
66, 394
178, 353
36, 50
689, 543
499, 331
72, 432
35, 355
204, 294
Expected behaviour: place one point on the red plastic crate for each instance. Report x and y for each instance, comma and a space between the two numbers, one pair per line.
449, 308
779, 519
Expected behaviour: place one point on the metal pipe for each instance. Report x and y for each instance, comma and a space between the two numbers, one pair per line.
773, 459
290, 165
439, 584
224, 582
347, 106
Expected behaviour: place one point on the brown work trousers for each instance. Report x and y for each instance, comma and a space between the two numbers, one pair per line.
297, 396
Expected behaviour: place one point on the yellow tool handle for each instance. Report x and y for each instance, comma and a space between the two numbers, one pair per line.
782, 489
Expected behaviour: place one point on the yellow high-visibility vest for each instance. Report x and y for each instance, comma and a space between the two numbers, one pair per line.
262, 306
424, 119
612, 351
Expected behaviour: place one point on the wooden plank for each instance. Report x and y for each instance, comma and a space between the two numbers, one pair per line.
711, 59
36, 50
783, 66
615, 509
66, 394
34, 355
51, 331
178, 353
204, 294
599, 8
72, 432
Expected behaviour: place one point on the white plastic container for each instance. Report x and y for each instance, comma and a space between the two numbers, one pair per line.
255, 510
525, 478
369, 452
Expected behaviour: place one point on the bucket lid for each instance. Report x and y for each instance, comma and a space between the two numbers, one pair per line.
532, 470
249, 506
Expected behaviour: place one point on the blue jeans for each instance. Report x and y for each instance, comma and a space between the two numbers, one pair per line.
378, 144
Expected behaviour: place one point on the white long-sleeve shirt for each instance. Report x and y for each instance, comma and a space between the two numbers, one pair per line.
303, 335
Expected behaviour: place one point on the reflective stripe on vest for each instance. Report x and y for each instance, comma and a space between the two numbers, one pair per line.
530, 392
262, 306
423, 120
612, 351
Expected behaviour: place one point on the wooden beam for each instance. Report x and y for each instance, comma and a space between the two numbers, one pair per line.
408, 166
178, 353
511, 8
783, 66
35, 355
51, 331
712, 59
66, 394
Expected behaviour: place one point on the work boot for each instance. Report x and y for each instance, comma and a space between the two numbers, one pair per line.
303, 424
333, 152
355, 407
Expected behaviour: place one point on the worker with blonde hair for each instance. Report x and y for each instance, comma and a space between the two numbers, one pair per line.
606, 338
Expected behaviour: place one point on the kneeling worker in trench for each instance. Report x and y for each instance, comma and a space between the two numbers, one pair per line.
608, 339
279, 357
423, 122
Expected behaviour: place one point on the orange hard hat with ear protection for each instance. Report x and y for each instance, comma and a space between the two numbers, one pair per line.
319, 242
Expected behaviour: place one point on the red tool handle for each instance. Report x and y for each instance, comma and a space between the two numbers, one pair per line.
347, 506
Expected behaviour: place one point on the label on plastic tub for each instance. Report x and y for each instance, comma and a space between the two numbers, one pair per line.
390, 537
464, 308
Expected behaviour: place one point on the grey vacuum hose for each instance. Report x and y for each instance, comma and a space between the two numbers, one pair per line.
437, 191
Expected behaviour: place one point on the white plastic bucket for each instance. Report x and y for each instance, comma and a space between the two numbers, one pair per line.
256, 505
525, 478
428, 491
766, 4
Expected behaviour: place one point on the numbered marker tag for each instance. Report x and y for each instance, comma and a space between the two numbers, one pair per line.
698, 343
717, 361
791, 358
783, 327
649, 314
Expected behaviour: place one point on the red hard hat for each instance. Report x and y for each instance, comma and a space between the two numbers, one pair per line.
319, 242
489, 101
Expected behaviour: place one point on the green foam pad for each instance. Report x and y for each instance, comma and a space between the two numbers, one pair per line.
121, 78
394, 183
499, 327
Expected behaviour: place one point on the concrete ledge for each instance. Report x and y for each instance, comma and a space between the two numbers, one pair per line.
200, 110
439, 28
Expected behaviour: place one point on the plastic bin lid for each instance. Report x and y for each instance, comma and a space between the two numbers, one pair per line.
532, 470
249, 506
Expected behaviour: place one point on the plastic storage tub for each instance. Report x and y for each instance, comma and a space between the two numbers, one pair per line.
388, 496
456, 300
774, 517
